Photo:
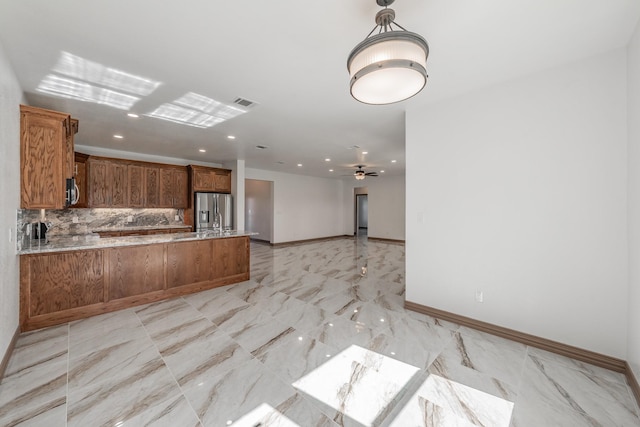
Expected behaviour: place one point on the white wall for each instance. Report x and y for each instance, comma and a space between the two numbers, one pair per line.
10, 98
519, 190
633, 124
386, 200
258, 208
304, 207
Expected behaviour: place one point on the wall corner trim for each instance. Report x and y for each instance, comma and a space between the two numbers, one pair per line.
582, 355
7, 355
633, 382
597, 359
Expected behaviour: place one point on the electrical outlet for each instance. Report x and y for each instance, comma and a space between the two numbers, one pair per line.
177, 218
74, 219
130, 218
479, 296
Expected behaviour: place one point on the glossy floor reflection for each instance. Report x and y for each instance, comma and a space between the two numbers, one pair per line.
318, 337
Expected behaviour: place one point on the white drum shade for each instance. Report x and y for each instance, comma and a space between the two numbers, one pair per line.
388, 67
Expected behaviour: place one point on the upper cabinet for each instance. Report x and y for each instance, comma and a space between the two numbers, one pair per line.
210, 179
173, 187
46, 158
120, 183
108, 184
80, 174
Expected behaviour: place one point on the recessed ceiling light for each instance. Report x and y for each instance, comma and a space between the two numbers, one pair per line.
365, 152
299, 165
118, 136
231, 137
327, 159
393, 161
202, 150
330, 170
133, 115
381, 171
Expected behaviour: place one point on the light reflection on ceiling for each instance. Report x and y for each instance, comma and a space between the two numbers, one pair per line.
74, 89
78, 78
93, 72
196, 110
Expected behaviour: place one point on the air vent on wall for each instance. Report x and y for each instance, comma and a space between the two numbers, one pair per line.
244, 102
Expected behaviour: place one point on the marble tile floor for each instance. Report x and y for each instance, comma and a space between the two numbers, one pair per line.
317, 337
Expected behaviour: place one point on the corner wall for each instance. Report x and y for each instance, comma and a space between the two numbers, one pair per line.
519, 191
304, 207
633, 126
10, 98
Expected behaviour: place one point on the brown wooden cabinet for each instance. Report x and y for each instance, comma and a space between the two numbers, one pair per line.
120, 183
46, 157
210, 179
59, 287
52, 283
152, 187
173, 187
136, 175
135, 270
80, 174
108, 183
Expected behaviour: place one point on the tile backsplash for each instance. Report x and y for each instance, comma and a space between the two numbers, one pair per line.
83, 221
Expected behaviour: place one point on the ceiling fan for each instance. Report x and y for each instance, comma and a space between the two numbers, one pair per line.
359, 174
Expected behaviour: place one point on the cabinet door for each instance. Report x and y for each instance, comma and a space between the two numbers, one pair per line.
58, 282
135, 270
80, 173
189, 262
42, 162
230, 256
166, 187
203, 180
136, 186
99, 196
180, 189
118, 180
152, 187
223, 182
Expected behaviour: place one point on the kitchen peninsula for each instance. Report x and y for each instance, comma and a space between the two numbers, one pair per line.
71, 278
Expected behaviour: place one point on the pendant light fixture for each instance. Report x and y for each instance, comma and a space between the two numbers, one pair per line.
389, 66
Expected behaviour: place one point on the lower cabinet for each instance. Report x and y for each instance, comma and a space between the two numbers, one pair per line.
135, 270
59, 287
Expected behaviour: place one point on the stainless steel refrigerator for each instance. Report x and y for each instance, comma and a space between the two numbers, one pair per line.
212, 208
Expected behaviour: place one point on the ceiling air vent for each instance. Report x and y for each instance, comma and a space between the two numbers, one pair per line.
244, 102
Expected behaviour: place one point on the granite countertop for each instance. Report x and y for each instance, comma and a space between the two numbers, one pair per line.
93, 241
136, 227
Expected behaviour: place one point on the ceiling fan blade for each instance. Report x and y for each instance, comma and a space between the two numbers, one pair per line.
371, 174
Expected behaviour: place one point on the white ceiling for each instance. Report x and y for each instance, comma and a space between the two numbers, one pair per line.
290, 57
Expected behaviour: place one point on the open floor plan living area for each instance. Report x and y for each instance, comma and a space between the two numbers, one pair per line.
318, 337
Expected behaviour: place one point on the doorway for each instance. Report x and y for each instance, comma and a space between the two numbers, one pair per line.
258, 208
362, 215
